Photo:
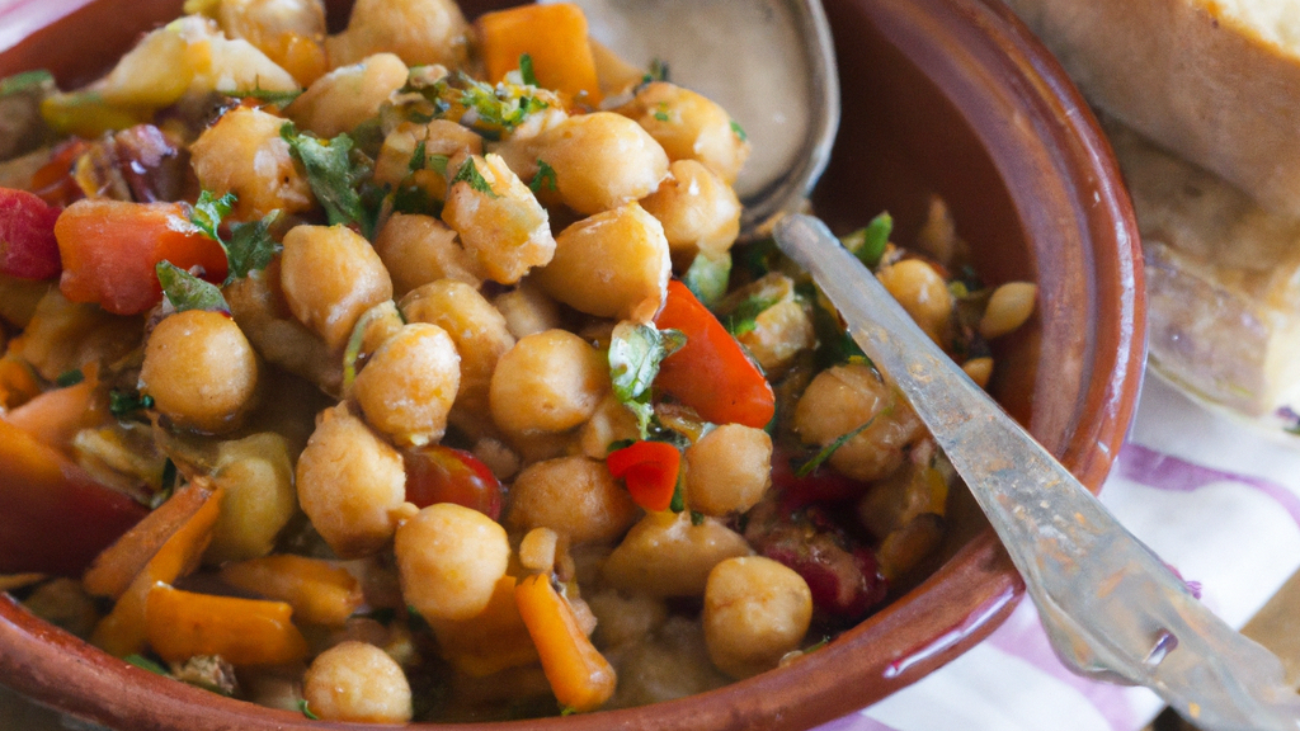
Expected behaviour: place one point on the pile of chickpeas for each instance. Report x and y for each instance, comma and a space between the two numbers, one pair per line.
484, 324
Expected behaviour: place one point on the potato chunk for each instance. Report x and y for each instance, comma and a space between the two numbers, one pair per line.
349, 95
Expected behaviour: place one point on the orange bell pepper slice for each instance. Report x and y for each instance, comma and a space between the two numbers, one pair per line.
555, 38
580, 677
182, 624
124, 631
650, 471
54, 518
110, 250
319, 591
711, 373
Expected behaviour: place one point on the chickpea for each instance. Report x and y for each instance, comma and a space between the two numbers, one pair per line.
421, 32
779, 334
548, 382
602, 161
200, 371
573, 496
614, 264
729, 469
538, 549
417, 250
755, 611
257, 499
698, 210
351, 484
475, 326
522, 147
505, 229
330, 276
440, 137
257, 303
666, 554
347, 96
528, 310
264, 22
451, 558
923, 293
354, 681
1008, 309
409, 384
611, 422
842, 399
980, 370
244, 154
690, 127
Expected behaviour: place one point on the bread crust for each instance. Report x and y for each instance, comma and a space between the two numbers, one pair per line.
1187, 75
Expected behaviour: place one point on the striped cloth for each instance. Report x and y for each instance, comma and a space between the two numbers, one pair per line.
1216, 498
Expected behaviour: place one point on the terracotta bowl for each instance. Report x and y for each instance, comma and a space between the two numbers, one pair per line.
947, 97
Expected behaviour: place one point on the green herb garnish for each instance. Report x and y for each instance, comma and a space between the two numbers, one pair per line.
869, 243
708, 276
330, 172
635, 354
170, 479
145, 663
739, 131
70, 378
26, 81
526, 70
811, 465
697, 518
209, 211
123, 404
184, 291
251, 247
544, 179
658, 72
280, 99
419, 158
469, 173
306, 710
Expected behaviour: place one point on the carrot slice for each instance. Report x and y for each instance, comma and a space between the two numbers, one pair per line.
182, 624
110, 249
581, 678
319, 591
555, 38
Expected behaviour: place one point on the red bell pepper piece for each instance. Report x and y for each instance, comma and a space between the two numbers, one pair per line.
28, 249
438, 474
711, 373
111, 248
650, 470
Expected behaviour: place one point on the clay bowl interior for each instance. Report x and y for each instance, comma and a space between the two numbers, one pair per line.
946, 97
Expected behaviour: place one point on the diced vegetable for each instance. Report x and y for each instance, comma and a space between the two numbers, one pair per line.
438, 474
711, 372
55, 417
53, 517
581, 678
124, 631
319, 591
183, 624
110, 250
554, 37
650, 470
28, 248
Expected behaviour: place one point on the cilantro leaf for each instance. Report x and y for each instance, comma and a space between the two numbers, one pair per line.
280, 99
744, 318
868, 243
209, 211
678, 503
438, 163
419, 158
708, 276
330, 172
122, 404
184, 291
739, 131
811, 465
145, 663
306, 710
251, 247
635, 354
526, 70
544, 179
69, 378
658, 72
469, 173
25, 81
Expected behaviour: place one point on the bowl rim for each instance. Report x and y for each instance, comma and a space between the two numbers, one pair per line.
997, 58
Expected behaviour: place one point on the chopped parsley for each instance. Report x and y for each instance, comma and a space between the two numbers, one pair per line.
526, 70
544, 179
209, 211
635, 354
250, 247
708, 276
678, 503
419, 158
697, 518
658, 72
306, 710
811, 465
330, 172
739, 131
124, 404
744, 318
869, 242
184, 291
70, 378
469, 173
661, 112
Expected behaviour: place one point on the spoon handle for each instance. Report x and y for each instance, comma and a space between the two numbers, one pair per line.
1111, 607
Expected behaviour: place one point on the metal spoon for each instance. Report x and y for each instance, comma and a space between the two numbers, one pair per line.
1112, 609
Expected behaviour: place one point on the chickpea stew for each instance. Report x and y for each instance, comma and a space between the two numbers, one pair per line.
415, 373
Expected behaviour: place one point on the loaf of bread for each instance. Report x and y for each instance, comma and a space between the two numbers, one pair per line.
1223, 282
1216, 81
